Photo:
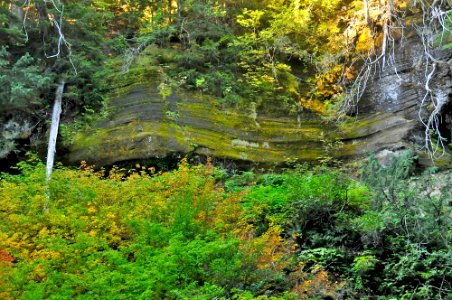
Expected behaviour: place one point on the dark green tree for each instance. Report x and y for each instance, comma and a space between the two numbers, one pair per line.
47, 43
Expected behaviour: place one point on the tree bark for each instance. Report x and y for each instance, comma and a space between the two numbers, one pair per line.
53, 136
366, 11
386, 29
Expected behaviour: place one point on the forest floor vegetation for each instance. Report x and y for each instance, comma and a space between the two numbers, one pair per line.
198, 233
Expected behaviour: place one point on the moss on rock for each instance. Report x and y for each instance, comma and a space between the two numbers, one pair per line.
143, 124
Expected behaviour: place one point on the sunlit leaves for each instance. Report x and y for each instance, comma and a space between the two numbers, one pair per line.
185, 233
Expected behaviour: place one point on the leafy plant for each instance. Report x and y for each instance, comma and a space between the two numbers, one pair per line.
195, 233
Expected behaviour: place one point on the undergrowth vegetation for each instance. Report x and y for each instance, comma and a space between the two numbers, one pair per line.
195, 233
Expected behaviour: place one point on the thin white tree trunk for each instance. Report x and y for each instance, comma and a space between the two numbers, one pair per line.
366, 11
386, 29
53, 136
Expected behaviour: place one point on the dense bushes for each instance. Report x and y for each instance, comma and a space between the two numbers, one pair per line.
191, 233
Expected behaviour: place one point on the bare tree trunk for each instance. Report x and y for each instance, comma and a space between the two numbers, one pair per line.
391, 7
53, 136
366, 11
386, 29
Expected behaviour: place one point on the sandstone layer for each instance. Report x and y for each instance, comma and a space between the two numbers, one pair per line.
142, 124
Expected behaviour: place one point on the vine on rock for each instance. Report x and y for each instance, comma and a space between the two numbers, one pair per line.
386, 27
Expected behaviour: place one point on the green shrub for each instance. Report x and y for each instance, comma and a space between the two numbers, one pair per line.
184, 235
408, 227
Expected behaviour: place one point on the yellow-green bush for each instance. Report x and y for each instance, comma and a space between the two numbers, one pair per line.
193, 234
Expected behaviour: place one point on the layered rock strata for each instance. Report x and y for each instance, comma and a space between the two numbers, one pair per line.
141, 124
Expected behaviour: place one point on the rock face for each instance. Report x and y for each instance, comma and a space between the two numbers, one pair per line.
401, 90
142, 124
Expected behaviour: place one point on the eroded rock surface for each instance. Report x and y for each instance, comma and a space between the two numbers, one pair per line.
143, 124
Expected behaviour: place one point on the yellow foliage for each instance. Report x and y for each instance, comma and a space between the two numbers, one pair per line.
267, 251
91, 209
98, 214
314, 105
315, 282
38, 274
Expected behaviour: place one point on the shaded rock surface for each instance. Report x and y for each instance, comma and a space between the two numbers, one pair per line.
142, 124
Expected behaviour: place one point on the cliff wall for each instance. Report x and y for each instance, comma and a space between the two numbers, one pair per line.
141, 123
